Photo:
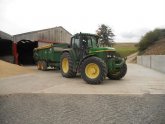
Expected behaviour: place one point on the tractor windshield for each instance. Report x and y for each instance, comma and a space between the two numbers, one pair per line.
92, 41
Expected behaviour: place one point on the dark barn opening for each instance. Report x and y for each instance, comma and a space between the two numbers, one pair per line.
6, 50
25, 52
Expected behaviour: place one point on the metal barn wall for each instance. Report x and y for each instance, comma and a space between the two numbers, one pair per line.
6, 51
4, 35
57, 34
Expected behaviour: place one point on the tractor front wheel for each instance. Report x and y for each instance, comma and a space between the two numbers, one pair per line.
118, 75
66, 66
93, 70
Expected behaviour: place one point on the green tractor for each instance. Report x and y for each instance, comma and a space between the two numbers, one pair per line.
94, 63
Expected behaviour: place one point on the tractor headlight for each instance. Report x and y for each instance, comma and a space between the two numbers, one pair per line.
108, 56
111, 56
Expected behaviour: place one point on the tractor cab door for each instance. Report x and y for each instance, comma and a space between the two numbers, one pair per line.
85, 43
80, 45
75, 42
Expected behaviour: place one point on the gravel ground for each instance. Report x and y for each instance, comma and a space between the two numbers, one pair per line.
82, 109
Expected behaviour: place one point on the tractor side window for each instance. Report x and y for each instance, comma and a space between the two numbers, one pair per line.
72, 42
77, 42
94, 41
89, 42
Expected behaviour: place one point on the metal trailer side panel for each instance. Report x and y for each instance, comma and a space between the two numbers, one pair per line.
51, 54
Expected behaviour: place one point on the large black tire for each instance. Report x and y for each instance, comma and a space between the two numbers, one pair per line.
43, 66
68, 73
99, 76
118, 75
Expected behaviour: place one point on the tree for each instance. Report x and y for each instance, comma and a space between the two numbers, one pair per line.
106, 35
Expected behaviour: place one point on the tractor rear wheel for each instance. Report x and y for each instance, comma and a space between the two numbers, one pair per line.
43, 66
66, 66
118, 75
93, 70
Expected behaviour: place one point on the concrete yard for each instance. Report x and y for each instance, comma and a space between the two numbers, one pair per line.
48, 98
138, 80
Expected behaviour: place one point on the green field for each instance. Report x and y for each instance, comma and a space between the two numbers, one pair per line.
125, 49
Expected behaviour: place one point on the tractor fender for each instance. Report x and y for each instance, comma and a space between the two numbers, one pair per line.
65, 51
84, 59
68, 51
78, 68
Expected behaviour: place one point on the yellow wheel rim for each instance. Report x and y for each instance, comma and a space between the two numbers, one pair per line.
65, 65
92, 70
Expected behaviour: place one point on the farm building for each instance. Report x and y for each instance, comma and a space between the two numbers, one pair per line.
23, 44
6, 47
26, 42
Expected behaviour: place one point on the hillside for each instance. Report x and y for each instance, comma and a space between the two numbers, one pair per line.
158, 48
125, 49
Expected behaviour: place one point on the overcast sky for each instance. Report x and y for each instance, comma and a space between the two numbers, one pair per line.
129, 19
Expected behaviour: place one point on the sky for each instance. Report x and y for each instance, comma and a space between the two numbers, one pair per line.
128, 19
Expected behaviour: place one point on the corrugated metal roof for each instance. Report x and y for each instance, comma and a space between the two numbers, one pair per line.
4, 35
42, 30
56, 34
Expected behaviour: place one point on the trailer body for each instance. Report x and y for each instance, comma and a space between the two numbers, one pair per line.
50, 54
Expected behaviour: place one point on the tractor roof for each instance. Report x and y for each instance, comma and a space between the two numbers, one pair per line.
86, 34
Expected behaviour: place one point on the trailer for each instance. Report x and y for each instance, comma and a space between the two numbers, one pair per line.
49, 55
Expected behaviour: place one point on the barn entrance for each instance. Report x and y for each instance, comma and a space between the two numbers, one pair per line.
25, 52
6, 50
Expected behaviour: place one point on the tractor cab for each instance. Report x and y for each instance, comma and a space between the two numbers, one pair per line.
82, 43
84, 40
85, 44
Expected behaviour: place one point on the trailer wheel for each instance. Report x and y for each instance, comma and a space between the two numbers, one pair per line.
93, 70
39, 65
43, 66
118, 75
66, 66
